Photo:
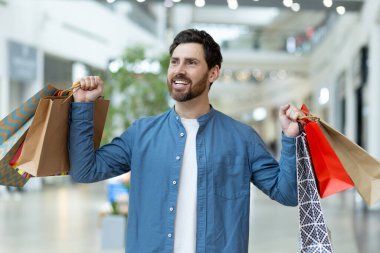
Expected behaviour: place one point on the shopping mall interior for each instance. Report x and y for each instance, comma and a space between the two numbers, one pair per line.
322, 53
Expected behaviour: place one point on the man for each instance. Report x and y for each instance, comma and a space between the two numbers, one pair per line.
191, 167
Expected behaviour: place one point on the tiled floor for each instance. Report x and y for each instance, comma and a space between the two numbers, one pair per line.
65, 218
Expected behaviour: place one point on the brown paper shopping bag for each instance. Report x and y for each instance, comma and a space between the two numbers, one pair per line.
363, 169
45, 151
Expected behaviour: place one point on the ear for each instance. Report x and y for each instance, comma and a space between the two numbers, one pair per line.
214, 74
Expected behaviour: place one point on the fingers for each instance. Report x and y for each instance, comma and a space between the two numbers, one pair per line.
89, 83
290, 111
283, 109
293, 113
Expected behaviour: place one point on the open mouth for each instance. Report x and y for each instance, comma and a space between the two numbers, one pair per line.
180, 83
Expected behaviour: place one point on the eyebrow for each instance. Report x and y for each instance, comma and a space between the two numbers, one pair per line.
186, 59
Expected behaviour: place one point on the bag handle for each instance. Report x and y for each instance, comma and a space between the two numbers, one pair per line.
73, 88
303, 120
307, 117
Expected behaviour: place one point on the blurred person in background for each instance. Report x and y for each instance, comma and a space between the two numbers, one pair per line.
191, 167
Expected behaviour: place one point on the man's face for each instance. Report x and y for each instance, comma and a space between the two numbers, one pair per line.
188, 74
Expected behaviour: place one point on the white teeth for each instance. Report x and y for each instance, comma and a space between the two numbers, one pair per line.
181, 82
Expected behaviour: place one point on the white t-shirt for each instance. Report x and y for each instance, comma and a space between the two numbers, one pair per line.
186, 213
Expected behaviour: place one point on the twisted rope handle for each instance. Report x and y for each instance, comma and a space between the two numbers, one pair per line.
73, 88
309, 117
304, 119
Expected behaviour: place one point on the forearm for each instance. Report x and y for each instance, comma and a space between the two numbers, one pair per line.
288, 171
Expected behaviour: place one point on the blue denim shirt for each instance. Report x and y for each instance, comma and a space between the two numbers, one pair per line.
230, 155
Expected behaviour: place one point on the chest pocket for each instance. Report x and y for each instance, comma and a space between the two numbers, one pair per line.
231, 176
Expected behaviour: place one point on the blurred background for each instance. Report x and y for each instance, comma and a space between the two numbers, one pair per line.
324, 53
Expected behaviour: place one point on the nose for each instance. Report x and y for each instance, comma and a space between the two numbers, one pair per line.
180, 69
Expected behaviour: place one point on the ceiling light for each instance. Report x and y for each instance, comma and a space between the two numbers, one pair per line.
273, 75
168, 3
110, 1
232, 4
296, 7
200, 3
243, 75
324, 96
287, 3
176, 1
140, 1
259, 114
282, 74
291, 45
115, 65
258, 75
327, 3
341, 10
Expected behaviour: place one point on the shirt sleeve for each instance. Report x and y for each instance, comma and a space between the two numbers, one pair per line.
87, 164
276, 179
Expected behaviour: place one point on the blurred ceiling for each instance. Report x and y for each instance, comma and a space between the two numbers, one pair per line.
266, 46
350, 5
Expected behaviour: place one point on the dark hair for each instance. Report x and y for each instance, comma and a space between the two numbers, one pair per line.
210, 47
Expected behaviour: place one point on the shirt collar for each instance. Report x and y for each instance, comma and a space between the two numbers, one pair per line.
203, 119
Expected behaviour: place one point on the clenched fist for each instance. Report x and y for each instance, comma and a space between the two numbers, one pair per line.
288, 116
89, 89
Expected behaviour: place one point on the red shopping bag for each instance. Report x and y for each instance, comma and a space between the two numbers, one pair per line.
329, 171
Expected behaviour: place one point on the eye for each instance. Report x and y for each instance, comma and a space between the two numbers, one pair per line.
173, 61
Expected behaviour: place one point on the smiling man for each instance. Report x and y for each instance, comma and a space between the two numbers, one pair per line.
191, 166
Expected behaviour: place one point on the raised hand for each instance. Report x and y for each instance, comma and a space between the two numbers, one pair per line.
288, 115
89, 89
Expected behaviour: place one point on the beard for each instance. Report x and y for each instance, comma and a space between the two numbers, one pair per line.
195, 89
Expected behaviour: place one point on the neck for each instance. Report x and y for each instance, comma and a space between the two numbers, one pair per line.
192, 109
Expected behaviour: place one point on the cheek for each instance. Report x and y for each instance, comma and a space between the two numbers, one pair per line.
171, 70
169, 75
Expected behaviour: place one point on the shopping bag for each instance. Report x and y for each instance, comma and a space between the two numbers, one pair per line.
45, 151
12, 122
9, 175
330, 173
13, 130
363, 169
314, 236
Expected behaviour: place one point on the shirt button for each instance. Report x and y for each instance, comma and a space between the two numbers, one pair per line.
177, 157
171, 209
181, 134
174, 182
169, 235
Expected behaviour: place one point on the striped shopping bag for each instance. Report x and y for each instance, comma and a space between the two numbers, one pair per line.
13, 129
